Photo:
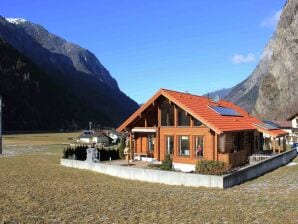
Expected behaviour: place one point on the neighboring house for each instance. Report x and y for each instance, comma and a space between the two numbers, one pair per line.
294, 120
190, 128
293, 137
86, 137
89, 137
101, 138
115, 137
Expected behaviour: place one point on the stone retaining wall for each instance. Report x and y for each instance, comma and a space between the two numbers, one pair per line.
185, 179
250, 172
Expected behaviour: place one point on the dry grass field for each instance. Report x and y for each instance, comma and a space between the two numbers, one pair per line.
34, 188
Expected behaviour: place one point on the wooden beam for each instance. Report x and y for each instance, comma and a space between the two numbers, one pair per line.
159, 116
145, 122
175, 116
130, 144
215, 146
157, 143
191, 122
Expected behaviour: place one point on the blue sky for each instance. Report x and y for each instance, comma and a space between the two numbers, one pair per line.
195, 46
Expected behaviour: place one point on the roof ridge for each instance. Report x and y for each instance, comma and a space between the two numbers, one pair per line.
205, 97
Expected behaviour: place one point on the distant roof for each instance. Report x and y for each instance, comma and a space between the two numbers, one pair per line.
279, 124
267, 126
90, 134
292, 116
202, 108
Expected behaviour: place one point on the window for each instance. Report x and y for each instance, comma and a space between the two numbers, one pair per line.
197, 122
150, 143
167, 114
183, 145
170, 145
183, 119
199, 145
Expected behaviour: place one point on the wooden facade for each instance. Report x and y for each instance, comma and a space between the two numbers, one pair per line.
150, 134
164, 126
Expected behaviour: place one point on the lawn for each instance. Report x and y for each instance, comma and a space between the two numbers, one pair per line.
34, 188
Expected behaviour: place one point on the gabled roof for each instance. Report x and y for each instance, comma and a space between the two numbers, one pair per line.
202, 109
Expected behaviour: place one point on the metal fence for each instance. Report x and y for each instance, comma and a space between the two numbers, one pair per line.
255, 158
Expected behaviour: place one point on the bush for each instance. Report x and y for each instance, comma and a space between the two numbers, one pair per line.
212, 167
166, 163
68, 152
80, 153
105, 154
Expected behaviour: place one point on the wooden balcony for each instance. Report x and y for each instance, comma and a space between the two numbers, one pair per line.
234, 159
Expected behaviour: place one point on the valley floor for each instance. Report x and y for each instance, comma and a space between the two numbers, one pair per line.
35, 189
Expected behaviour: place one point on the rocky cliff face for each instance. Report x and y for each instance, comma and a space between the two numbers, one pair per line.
271, 91
72, 69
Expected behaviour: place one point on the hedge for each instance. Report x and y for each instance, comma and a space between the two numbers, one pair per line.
80, 153
212, 167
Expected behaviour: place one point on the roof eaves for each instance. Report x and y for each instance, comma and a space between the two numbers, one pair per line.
138, 111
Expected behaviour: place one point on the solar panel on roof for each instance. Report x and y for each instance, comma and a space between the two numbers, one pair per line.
271, 123
225, 111
267, 126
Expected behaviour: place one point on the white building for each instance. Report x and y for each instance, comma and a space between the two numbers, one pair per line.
293, 137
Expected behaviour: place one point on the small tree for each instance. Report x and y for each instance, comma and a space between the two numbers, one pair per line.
121, 148
167, 163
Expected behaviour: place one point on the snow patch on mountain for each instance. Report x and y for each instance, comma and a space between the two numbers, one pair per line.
16, 20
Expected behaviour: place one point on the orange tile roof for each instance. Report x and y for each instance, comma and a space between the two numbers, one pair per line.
199, 107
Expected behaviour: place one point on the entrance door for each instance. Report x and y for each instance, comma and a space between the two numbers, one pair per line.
150, 143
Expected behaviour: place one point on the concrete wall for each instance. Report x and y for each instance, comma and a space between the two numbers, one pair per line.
256, 170
149, 175
186, 179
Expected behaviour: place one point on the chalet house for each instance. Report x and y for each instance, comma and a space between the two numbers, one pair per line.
191, 128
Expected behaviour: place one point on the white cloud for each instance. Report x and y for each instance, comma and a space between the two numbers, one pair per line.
243, 59
272, 21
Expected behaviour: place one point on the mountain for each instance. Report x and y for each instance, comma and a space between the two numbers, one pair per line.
271, 91
32, 100
221, 94
75, 71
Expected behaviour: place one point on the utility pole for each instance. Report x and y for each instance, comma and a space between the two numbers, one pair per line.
0, 125
90, 124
